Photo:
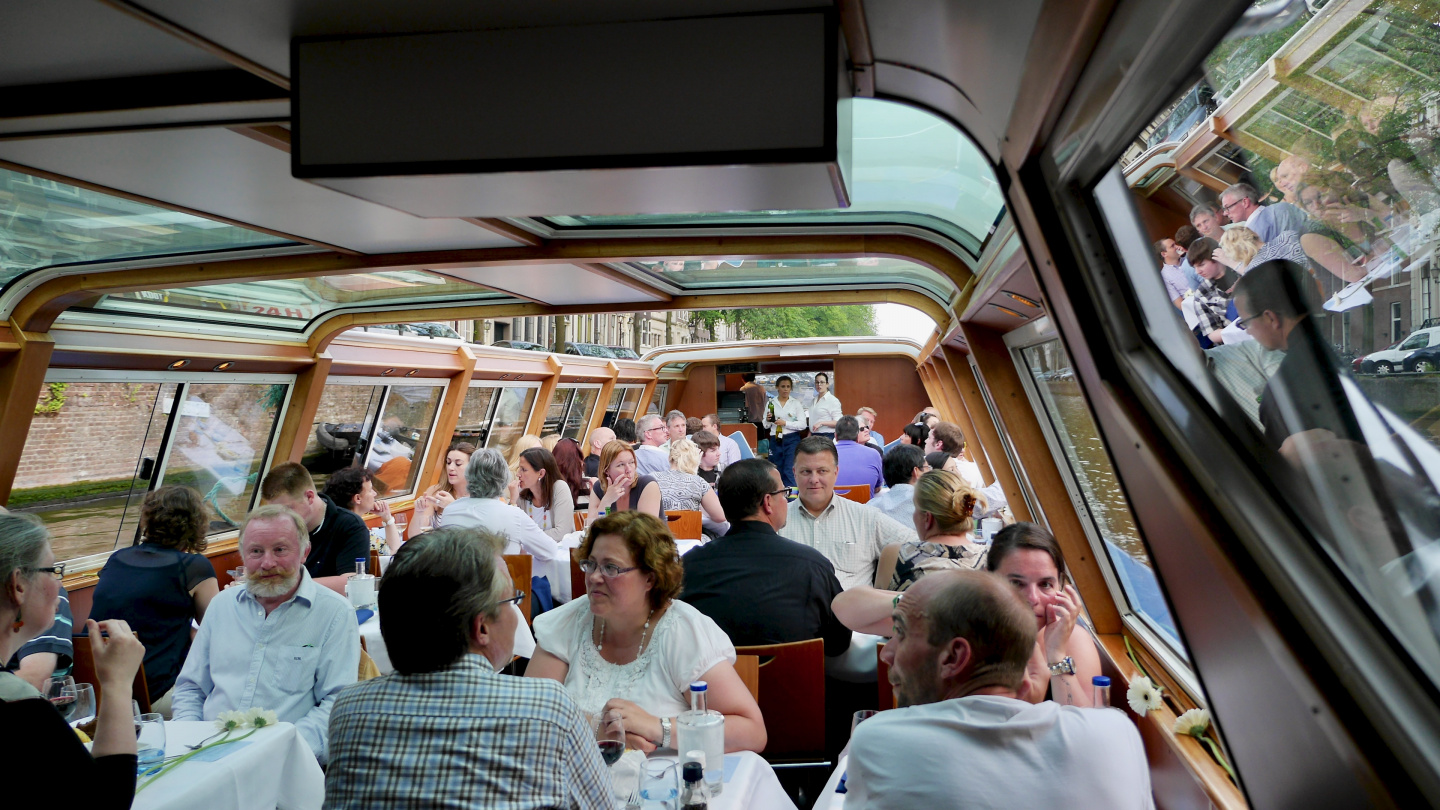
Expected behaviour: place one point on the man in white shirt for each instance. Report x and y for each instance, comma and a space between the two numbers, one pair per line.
849, 534
674, 429
729, 449
281, 643
786, 418
903, 467
1170, 255
962, 738
648, 456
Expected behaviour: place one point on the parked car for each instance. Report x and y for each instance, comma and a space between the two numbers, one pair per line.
588, 350
520, 344
1425, 360
623, 352
432, 330
1392, 357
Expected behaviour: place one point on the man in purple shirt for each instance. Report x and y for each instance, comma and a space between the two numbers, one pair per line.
859, 463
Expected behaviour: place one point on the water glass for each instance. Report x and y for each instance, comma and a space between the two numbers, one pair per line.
149, 741
659, 781
860, 717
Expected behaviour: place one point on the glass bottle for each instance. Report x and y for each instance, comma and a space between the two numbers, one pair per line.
361, 564
1102, 691
704, 730
694, 795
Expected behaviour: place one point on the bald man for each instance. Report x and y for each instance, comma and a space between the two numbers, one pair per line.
599, 437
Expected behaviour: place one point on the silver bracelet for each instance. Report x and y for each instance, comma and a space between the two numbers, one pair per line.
664, 732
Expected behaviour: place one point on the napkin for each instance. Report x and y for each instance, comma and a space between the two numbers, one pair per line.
363, 614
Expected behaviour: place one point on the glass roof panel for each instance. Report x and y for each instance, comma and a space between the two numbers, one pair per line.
712, 274
290, 304
44, 223
908, 164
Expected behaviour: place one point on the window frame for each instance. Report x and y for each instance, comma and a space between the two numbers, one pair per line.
389, 383
495, 402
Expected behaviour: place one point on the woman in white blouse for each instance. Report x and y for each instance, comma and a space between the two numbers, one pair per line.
628, 644
544, 495
486, 476
825, 412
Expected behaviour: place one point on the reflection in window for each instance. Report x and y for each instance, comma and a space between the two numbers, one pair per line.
555, 414
88, 459
400, 438
472, 426
623, 402
1089, 465
577, 421
1336, 123
512, 413
343, 422
218, 444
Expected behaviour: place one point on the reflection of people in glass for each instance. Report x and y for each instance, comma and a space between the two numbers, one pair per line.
1274, 302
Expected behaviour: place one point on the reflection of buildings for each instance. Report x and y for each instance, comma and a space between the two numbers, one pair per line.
1305, 98
604, 329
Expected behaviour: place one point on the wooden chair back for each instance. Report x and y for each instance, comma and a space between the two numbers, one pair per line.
748, 667
792, 698
84, 672
684, 524
368, 668
882, 677
859, 493
519, 565
577, 580
579, 521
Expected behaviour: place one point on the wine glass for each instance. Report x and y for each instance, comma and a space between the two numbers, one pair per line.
860, 717
610, 734
60, 691
83, 711
149, 741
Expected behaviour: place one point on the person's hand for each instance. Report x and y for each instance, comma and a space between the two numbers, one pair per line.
383, 510
442, 499
1061, 617
118, 657
613, 491
512, 491
1216, 337
425, 505
642, 729
780, 423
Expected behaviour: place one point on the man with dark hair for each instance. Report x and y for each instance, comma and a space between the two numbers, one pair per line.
1274, 301
859, 464
1170, 255
625, 430
446, 722
693, 425
961, 643
904, 465
755, 399
338, 537
1184, 238
849, 535
759, 587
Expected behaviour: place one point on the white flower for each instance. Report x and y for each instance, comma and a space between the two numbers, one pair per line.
229, 721
260, 718
1193, 722
1143, 695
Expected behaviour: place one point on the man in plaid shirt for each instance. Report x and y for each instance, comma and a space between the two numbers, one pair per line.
446, 729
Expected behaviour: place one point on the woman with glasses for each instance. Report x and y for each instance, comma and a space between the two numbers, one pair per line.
630, 645
621, 485
162, 584
38, 740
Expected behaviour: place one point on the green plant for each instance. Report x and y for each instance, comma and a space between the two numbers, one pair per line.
54, 398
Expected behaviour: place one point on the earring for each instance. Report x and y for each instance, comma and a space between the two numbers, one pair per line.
17, 624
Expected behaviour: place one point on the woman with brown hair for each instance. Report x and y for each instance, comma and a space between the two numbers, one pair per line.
544, 495
621, 485
429, 506
570, 461
159, 586
629, 644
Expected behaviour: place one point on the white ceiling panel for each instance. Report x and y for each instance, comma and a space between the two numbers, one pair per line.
558, 284
72, 40
220, 172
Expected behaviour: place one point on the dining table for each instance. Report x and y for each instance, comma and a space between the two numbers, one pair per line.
272, 769
749, 783
375, 642
829, 798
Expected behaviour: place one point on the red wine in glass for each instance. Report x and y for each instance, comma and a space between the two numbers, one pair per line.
65, 704
611, 751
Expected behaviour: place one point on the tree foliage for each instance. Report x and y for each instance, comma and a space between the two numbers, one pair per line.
792, 322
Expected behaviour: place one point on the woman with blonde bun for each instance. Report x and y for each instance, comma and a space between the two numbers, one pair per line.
945, 509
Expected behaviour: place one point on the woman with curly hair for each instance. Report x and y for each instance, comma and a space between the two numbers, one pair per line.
160, 585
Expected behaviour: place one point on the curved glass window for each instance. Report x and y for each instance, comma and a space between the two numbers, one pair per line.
907, 165
48, 223
713, 274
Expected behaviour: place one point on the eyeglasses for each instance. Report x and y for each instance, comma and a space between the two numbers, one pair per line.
608, 570
514, 600
1225, 209
657, 427
58, 569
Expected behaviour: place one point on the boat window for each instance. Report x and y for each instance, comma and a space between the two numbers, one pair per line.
400, 437
802, 385
908, 165
872, 272
49, 223
657, 400
1094, 489
513, 405
218, 444
343, 422
92, 450
473, 423
577, 421
623, 402
1317, 175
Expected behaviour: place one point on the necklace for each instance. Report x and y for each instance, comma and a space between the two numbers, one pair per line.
644, 633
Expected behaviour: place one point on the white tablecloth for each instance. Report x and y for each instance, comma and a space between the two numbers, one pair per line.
828, 798
558, 569
273, 768
375, 643
752, 784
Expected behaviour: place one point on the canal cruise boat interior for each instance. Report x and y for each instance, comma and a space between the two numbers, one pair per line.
212, 215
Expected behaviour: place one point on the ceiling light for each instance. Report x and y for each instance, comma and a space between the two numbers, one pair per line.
179, 364
387, 371
1009, 311
1029, 302
225, 366
412, 372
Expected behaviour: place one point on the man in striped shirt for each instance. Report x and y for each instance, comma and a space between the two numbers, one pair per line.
49, 654
850, 535
446, 729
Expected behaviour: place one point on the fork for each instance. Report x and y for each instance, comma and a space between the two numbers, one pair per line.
634, 800
202, 743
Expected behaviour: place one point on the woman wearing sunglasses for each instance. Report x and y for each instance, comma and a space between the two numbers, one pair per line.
630, 645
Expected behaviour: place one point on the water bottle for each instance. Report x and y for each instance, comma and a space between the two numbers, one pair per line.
700, 729
1102, 691
694, 795
361, 563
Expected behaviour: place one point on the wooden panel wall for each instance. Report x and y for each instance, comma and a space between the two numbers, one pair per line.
890, 385
698, 396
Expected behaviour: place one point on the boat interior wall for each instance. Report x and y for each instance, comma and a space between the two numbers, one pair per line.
887, 384
1163, 212
698, 396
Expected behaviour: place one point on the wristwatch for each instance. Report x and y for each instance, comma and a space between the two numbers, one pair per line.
664, 732
1065, 666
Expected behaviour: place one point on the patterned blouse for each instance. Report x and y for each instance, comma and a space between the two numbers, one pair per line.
680, 491
918, 559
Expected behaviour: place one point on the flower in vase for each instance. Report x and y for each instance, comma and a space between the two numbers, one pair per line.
1143, 695
1193, 723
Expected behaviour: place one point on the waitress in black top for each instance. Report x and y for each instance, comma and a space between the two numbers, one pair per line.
37, 739
162, 584
624, 488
